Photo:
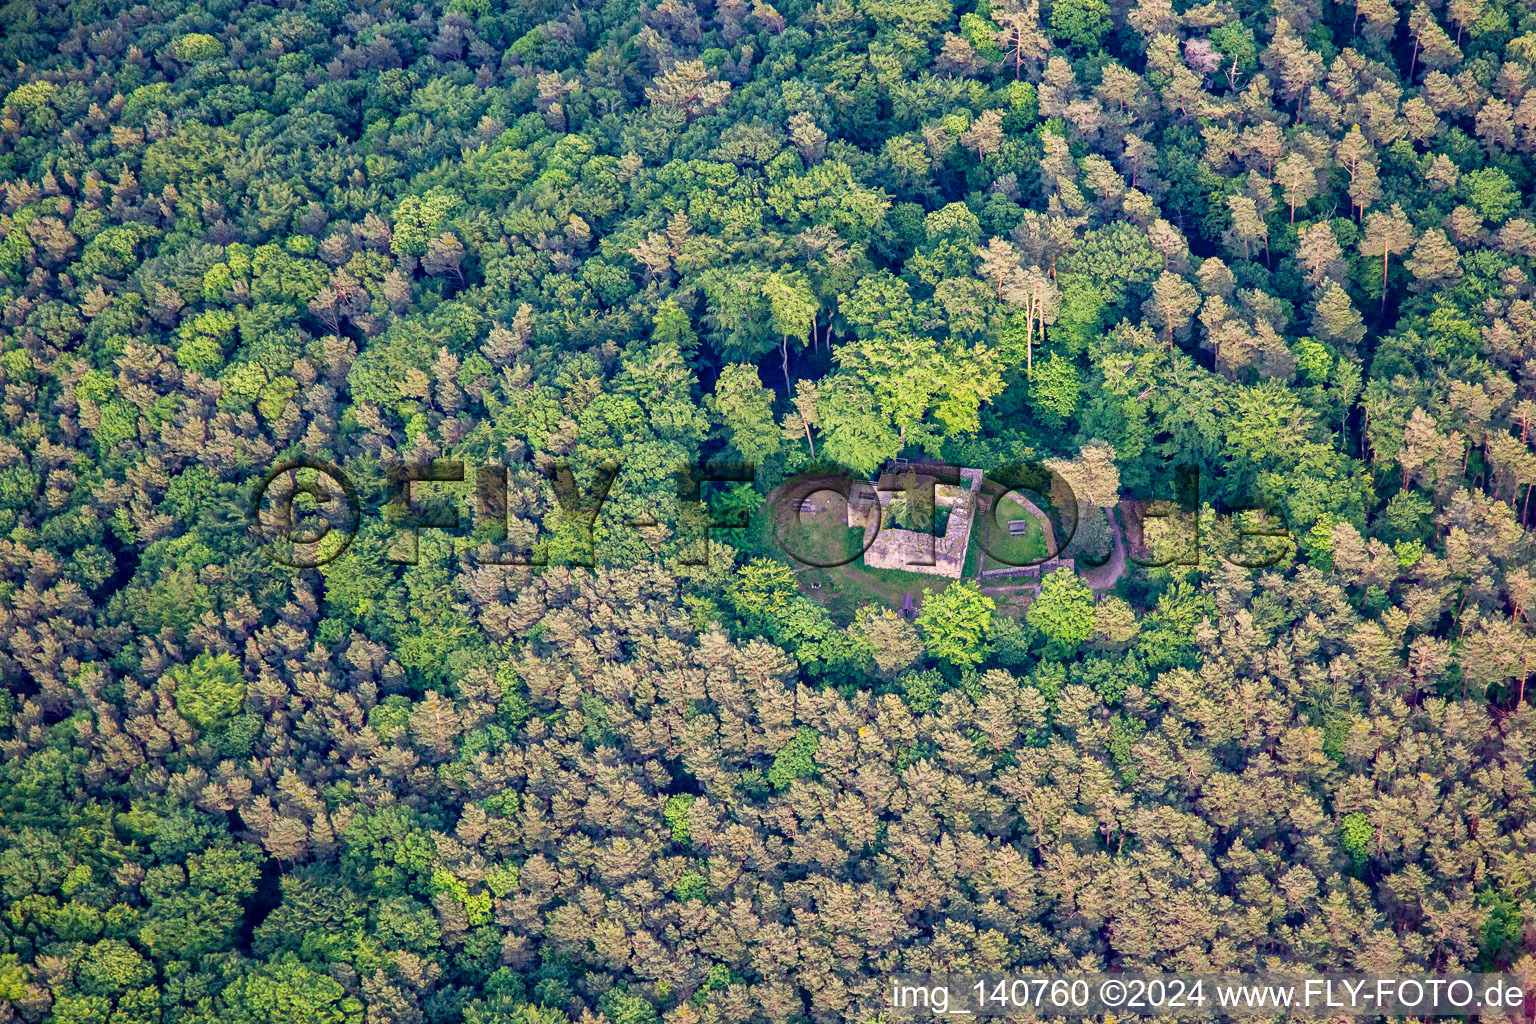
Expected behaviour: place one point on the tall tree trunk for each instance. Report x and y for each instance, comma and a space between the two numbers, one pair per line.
1029, 336
1385, 255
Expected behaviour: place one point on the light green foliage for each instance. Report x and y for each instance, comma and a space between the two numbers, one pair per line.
880, 304
209, 690
671, 324
622, 1007
691, 886
1313, 360
675, 814
857, 434
1055, 385
389, 717
113, 967
763, 586
922, 690
1270, 424
82, 1010
418, 219
796, 759
955, 623
119, 422
96, 386
980, 34
33, 103
738, 311
1355, 834
745, 408
1064, 609
477, 906
1123, 734
1408, 552
198, 46
275, 395
828, 194
292, 992
1235, 42
502, 879
913, 376
1491, 192
791, 306
13, 978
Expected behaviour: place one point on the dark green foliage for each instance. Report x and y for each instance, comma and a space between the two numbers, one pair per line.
1081, 22
1287, 248
1501, 940
289, 991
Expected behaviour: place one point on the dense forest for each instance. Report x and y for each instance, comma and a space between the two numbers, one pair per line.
1286, 244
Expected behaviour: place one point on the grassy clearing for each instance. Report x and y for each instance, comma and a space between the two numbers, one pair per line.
822, 535
818, 536
1029, 548
847, 588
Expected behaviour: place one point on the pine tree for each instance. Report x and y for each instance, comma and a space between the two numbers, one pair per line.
1386, 235
1335, 319
1020, 35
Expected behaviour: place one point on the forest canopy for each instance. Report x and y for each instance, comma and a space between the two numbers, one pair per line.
1281, 248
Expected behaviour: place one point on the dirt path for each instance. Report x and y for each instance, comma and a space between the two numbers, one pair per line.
1107, 575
